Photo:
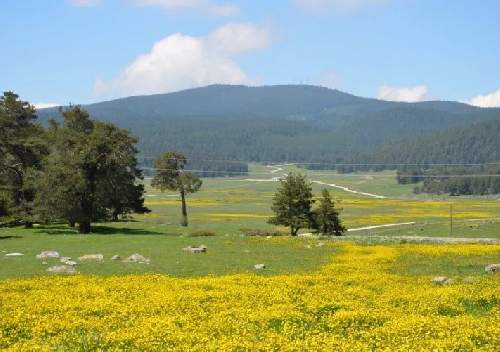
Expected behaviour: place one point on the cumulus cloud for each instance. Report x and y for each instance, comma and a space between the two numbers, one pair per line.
407, 94
205, 6
84, 3
487, 101
181, 61
320, 5
45, 105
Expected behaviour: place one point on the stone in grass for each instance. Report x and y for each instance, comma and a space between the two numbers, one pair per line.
88, 257
62, 269
136, 258
116, 257
64, 259
48, 254
195, 250
492, 268
442, 280
14, 254
259, 266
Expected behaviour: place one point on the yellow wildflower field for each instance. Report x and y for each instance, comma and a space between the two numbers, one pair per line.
354, 303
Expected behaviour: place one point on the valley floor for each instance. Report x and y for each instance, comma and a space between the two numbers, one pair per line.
370, 290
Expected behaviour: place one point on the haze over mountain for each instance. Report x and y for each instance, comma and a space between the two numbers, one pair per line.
277, 123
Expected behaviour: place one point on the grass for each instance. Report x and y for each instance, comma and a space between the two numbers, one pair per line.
225, 255
417, 264
225, 208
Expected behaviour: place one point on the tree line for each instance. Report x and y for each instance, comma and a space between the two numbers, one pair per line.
453, 180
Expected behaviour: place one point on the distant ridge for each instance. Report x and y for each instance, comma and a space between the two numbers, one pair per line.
282, 122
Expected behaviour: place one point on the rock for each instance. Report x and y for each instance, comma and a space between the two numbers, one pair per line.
321, 244
468, 280
199, 249
48, 254
137, 258
492, 268
96, 257
442, 280
64, 259
308, 246
116, 257
70, 263
62, 269
259, 266
14, 254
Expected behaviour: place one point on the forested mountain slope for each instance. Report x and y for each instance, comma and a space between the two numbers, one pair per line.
477, 143
276, 123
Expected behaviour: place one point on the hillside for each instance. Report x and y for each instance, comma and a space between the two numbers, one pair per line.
477, 143
276, 123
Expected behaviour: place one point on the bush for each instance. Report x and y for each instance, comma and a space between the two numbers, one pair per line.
261, 232
202, 233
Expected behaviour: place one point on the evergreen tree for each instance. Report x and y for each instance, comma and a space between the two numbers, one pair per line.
21, 148
170, 175
292, 203
90, 173
326, 216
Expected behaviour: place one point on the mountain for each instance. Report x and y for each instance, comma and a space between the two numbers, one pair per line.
277, 123
475, 143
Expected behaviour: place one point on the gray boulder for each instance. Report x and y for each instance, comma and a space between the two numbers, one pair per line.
259, 266
62, 269
116, 257
90, 257
14, 254
48, 254
492, 268
137, 258
195, 250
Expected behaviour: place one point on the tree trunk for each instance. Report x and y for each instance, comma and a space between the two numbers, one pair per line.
71, 223
115, 215
294, 230
84, 227
28, 225
184, 219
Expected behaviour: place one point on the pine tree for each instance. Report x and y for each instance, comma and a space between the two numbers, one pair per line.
326, 216
170, 175
22, 146
90, 173
292, 203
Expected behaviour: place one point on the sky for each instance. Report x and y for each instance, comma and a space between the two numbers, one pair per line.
81, 51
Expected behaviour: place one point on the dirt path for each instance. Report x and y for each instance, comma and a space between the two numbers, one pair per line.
274, 169
346, 189
379, 226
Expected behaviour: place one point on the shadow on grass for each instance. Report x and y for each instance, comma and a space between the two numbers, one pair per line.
95, 230
7, 237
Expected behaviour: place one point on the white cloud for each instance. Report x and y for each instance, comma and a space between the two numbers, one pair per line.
84, 3
181, 61
45, 105
487, 101
407, 94
321, 5
204, 6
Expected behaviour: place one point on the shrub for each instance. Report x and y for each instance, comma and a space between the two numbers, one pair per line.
261, 232
202, 233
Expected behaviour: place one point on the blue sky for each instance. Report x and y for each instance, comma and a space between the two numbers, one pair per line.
81, 51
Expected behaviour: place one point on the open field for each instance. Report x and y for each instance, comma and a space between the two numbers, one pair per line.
315, 294
361, 300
